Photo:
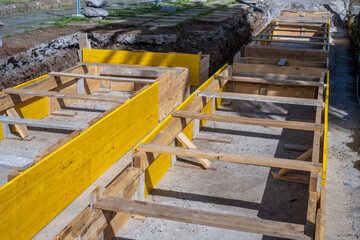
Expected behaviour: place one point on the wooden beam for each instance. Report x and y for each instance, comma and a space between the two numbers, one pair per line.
302, 157
275, 76
21, 128
86, 97
262, 98
291, 36
288, 41
212, 137
187, 143
221, 220
95, 77
270, 81
250, 121
231, 157
295, 30
43, 123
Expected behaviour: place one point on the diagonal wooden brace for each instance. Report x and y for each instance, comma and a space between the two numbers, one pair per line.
187, 142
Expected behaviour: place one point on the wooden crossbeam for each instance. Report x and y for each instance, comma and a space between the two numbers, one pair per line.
269, 81
220, 220
262, 98
21, 128
250, 121
295, 30
276, 76
43, 123
187, 142
95, 77
288, 41
302, 19
86, 97
300, 25
291, 36
231, 157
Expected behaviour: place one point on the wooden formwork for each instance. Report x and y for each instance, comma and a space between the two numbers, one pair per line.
292, 77
141, 96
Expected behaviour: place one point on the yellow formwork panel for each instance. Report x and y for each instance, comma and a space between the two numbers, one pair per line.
34, 198
161, 165
324, 158
35, 108
191, 61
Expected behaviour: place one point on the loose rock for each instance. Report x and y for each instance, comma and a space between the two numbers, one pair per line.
95, 3
95, 12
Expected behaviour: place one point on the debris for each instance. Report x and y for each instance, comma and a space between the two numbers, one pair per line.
95, 3
95, 12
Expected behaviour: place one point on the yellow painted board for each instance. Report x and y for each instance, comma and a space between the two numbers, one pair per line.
191, 61
324, 158
161, 165
35, 108
34, 198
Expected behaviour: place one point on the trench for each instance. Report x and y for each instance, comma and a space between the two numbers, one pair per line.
221, 40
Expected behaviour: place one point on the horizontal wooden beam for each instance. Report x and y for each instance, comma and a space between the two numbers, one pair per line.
95, 77
296, 30
320, 26
213, 219
231, 157
288, 41
262, 98
291, 36
43, 123
270, 81
250, 121
302, 19
86, 97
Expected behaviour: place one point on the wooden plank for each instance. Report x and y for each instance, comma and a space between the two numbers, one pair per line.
301, 19
291, 36
302, 157
21, 128
262, 98
250, 121
43, 123
296, 30
221, 220
86, 97
272, 81
231, 157
187, 142
115, 79
284, 70
313, 55
212, 137
191, 61
63, 114
289, 41
274, 61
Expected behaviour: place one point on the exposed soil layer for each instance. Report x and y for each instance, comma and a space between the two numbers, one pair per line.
29, 55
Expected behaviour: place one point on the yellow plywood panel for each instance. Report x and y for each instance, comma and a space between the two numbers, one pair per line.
34, 198
35, 108
191, 61
326, 113
156, 171
161, 165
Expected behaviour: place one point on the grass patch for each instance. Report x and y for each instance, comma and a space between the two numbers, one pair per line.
72, 19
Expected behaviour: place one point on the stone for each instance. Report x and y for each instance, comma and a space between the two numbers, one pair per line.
2, 24
129, 39
95, 12
1, 42
95, 3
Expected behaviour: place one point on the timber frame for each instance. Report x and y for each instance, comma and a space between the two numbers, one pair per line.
140, 97
282, 75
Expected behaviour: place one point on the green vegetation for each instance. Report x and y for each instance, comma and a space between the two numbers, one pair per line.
72, 19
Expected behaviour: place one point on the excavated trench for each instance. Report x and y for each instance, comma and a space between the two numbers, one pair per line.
221, 40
